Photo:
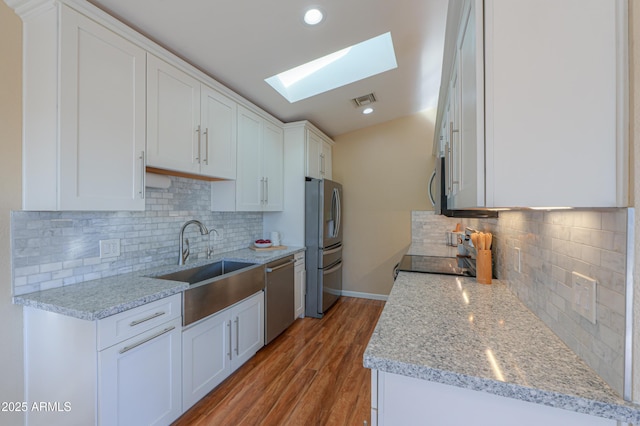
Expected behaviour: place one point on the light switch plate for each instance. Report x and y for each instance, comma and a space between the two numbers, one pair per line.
109, 248
517, 266
584, 296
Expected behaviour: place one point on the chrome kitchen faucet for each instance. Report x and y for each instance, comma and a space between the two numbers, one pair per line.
184, 253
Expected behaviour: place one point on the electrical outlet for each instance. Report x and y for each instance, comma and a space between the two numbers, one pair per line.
109, 248
517, 266
584, 296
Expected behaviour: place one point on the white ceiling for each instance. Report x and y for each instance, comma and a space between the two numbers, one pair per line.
241, 42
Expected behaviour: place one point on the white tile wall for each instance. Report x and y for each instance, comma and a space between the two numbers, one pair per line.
553, 245
53, 249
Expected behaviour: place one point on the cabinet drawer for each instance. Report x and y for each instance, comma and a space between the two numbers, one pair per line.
130, 323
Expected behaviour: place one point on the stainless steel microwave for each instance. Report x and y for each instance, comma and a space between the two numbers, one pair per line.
438, 196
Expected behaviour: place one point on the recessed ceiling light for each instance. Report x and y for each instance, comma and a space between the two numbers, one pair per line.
313, 16
368, 110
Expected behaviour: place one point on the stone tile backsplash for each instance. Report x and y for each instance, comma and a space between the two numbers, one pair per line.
54, 249
552, 245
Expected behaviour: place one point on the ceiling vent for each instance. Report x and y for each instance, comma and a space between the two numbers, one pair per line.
364, 100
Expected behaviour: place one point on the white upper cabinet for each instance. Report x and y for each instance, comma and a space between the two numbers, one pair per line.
191, 128
318, 155
218, 126
250, 181
259, 185
466, 112
541, 89
84, 115
273, 166
173, 117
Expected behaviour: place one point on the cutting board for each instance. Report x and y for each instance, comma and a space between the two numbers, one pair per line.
268, 248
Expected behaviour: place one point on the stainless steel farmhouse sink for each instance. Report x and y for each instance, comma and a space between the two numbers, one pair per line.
216, 286
206, 272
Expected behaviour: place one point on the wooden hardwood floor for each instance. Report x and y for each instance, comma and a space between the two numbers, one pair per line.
312, 374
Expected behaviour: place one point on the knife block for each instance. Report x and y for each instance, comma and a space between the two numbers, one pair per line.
483, 267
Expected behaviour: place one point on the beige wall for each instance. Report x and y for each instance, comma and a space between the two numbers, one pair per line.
384, 171
11, 366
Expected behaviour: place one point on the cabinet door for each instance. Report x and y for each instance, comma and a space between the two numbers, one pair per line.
248, 323
454, 148
173, 118
300, 281
218, 139
250, 180
326, 167
313, 155
139, 379
556, 103
273, 166
206, 355
469, 167
102, 131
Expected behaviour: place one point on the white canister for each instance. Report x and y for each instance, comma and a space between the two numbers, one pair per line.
275, 238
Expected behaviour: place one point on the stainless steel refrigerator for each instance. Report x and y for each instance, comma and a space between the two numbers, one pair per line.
323, 239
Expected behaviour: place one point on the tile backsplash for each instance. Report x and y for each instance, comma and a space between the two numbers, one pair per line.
53, 249
554, 244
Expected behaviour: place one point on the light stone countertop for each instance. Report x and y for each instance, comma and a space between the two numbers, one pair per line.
441, 327
97, 299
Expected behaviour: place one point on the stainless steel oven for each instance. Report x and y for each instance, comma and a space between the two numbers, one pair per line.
437, 265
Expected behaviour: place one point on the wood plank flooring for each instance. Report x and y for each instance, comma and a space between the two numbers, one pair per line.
312, 374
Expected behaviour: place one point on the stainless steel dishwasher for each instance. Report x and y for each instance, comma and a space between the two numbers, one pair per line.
279, 298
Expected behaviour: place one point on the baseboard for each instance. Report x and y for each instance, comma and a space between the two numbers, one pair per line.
365, 295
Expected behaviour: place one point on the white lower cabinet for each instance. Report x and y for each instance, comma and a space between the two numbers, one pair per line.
216, 346
402, 400
300, 284
121, 370
139, 378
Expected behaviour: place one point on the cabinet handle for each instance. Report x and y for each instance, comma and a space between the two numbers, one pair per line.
150, 317
266, 190
198, 132
453, 181
237, 321
206, 146
262, 190
229, 354
143, 174
321, 164
142, 342
284, 265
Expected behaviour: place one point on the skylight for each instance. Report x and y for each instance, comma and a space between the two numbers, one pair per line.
337, 69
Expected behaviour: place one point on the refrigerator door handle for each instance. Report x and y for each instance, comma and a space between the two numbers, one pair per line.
339, 213
332, 270
335, 212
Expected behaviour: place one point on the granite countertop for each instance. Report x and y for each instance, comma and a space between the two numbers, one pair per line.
97, 299
444, 329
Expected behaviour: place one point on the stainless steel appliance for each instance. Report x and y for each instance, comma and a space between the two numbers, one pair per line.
436, 265
323, 239
278, 298
438, 195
